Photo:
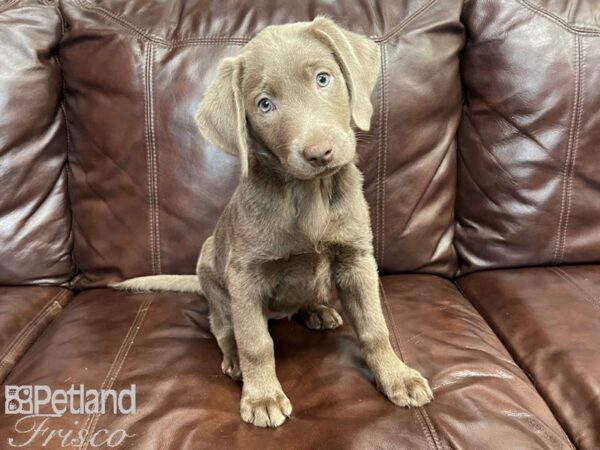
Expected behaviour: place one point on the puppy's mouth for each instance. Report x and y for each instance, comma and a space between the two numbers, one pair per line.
314, 173
301, 173
328, 170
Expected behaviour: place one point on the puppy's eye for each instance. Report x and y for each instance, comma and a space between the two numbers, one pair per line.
323, 79
265, 105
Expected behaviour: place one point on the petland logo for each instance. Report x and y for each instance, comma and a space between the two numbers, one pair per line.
38, 405
75, 400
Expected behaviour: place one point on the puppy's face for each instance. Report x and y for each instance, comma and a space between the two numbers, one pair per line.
297, 102
294, 92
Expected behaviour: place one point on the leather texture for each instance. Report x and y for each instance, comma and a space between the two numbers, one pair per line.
24, 313
528, 174
146, 189
512, 360
162, 343
35, 222
549, 320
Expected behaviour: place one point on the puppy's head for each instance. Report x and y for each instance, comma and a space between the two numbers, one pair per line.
294, 92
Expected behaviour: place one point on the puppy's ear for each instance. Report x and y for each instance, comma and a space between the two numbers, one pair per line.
358, 58
221, 115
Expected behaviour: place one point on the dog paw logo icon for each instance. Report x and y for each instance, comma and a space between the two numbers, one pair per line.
19, 399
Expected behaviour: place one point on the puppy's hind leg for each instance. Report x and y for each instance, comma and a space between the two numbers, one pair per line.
223, 332
221, 324
316, 316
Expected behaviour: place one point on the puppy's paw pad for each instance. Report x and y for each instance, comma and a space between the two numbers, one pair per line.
231, 367
410, 389
323, 318
265, 412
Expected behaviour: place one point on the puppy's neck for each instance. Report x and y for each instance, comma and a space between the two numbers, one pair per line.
309, 206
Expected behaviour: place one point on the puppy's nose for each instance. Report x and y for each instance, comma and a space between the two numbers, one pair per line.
318, 155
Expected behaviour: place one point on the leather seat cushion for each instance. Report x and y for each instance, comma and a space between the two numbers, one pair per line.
161, 343
549, 319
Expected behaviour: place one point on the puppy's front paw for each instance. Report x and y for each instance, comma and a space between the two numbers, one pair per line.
266, 411
320, 317
407, 388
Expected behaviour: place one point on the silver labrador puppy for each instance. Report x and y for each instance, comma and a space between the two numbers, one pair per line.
298, 223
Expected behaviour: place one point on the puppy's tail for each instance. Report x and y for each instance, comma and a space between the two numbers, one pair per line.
161, 283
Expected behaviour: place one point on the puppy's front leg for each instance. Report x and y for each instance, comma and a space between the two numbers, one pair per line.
357, 282
263, 402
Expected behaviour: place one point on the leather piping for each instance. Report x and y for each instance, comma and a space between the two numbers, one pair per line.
411, 17
429, 431
379, 230
569, 165
153, 207
578, 29
594, 301
92, 420
232, 40
27, 335
518, 361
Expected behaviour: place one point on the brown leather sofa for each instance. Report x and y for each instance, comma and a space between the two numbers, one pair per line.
482, 170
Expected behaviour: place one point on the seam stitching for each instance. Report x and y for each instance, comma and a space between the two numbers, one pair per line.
155, 39
3, 364
404, 23
381, 150
566, 172
117, 364
154, 163
580, 95
378, 176
48, 310
515, 359
420, 412
396, 341
31, 328
573, 282
149, 162
577, 29
233, 40
31, 325
385, 79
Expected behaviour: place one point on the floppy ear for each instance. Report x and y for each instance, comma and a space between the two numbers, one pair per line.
358, 58
221, 116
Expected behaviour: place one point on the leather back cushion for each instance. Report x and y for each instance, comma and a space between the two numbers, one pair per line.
35, 236
147, 189
529, 184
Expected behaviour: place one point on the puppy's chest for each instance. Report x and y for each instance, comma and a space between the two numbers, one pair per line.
300, 266
315, 220
298, 280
